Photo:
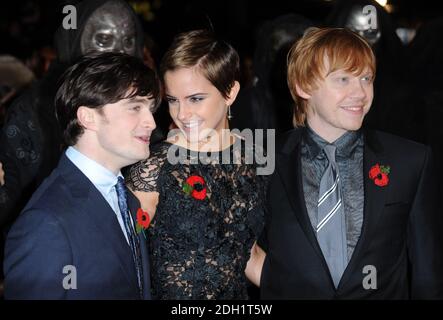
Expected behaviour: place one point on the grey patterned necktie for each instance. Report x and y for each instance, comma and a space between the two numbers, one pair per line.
331, 227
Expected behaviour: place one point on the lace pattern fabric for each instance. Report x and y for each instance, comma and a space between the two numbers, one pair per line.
199, 248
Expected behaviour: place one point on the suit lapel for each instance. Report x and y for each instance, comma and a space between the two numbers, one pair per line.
374, 200
97, 209
134, 205
290, 172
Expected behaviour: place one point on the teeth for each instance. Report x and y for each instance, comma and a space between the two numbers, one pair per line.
191, 125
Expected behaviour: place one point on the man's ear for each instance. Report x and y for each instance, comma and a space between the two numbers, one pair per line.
87, 117
233, 93
301, 92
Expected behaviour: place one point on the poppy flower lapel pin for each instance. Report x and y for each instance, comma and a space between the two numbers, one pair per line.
380, 174
143, 220
195, 186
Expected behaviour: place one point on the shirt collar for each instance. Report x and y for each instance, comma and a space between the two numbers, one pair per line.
102, 178
346, 144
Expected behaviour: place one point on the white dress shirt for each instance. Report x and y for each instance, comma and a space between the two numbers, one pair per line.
103, 179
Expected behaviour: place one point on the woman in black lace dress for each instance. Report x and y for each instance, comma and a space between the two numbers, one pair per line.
200, 187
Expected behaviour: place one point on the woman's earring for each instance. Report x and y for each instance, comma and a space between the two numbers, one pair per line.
229, 113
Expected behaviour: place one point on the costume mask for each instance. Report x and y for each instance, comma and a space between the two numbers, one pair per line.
359, 22
110, 28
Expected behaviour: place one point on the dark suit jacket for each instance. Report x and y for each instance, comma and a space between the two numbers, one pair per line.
400, 236
68, 222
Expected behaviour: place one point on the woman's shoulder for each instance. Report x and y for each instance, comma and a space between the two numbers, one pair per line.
158, 154
159, 150
143, 175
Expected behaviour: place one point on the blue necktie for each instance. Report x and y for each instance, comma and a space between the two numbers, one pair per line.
331, 226
134, 241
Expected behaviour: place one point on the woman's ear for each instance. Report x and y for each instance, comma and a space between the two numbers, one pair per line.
86, 117
302, 93
233, 93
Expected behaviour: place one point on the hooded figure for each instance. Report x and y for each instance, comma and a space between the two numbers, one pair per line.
425, 56
31, 140
268, 103
394, 106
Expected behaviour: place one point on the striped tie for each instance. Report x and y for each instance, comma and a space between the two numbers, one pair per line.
134, 241
331, 227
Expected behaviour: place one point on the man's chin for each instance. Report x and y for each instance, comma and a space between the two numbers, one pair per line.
353, 125
139, 157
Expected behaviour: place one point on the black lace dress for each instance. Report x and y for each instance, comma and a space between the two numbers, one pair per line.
199, 248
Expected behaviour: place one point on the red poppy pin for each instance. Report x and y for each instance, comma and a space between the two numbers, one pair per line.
380, 174
143, 220
195, 187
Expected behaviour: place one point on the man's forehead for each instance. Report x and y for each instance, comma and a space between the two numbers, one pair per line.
139, 99
329, 68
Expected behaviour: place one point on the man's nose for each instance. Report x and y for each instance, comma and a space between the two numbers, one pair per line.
358, 90
148, 120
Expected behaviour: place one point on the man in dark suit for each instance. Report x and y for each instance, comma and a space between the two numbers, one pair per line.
352, 213
79, 236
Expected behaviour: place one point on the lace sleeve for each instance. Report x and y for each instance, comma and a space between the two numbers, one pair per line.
256, 199
143, 176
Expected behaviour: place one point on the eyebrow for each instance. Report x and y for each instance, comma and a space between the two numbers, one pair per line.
340, 71
190, 96
137, 100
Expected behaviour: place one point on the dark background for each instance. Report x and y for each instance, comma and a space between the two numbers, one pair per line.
28, 25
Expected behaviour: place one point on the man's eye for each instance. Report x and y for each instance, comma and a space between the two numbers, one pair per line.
367, 79
171, 100
104, 40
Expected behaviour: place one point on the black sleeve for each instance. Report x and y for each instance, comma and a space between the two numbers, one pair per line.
425, 241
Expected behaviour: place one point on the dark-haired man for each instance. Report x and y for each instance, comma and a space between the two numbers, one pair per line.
77, 237
30, 139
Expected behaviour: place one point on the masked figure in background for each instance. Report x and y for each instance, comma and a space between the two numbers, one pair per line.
31, 141
395, 107
268, 103
425, 55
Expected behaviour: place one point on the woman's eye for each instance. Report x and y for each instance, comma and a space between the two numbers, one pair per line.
367, 79
196, 99
136, 108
